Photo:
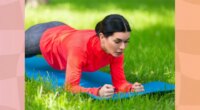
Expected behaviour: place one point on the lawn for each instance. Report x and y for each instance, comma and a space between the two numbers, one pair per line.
149, 55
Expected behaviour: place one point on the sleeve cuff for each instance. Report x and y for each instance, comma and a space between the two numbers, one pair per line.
95, 91
125, 88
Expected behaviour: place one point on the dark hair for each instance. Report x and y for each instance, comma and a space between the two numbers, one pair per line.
112, 23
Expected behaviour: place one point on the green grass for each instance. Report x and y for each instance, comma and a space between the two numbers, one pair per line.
39, 96
148, 57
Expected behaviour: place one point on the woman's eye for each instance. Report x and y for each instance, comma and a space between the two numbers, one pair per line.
126, 42
117, 42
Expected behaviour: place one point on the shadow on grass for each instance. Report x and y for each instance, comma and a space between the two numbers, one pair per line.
127, 5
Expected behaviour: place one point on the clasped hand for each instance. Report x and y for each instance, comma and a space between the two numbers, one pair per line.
137, 87
108, 90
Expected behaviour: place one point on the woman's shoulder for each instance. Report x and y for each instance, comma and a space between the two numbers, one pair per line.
79, 39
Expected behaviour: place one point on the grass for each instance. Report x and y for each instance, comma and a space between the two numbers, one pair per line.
42, 97
148, 57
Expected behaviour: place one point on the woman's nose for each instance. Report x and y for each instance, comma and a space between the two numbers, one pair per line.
122, 46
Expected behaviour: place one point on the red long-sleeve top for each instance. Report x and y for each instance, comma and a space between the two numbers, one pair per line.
66, 48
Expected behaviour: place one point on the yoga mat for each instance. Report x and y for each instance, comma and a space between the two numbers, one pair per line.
37, 66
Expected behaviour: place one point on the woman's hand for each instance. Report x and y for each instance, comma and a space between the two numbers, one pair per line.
106, 91
137, 87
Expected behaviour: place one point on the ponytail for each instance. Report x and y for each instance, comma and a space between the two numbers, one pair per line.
98, 28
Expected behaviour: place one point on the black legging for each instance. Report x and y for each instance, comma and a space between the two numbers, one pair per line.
33, 35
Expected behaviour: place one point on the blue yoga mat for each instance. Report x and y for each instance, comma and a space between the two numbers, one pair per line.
37, 66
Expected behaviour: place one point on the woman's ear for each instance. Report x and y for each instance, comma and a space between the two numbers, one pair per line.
101, 36
102, 39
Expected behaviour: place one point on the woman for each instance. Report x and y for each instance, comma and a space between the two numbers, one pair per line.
74, 51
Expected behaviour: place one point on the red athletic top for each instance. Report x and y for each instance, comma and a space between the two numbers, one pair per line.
65, 48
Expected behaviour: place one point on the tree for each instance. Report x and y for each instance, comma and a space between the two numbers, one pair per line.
35, 3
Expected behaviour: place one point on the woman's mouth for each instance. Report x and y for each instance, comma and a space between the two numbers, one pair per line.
119, 53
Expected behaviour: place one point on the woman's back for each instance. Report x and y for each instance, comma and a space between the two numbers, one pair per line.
57, 43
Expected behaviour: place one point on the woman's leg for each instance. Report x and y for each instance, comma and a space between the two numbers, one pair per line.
33, 35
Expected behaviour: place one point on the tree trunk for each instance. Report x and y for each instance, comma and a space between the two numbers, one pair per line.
35, 3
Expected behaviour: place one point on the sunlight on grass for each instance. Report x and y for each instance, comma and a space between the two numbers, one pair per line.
48, 100
139, 19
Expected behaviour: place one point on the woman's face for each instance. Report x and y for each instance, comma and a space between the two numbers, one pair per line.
114, 44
